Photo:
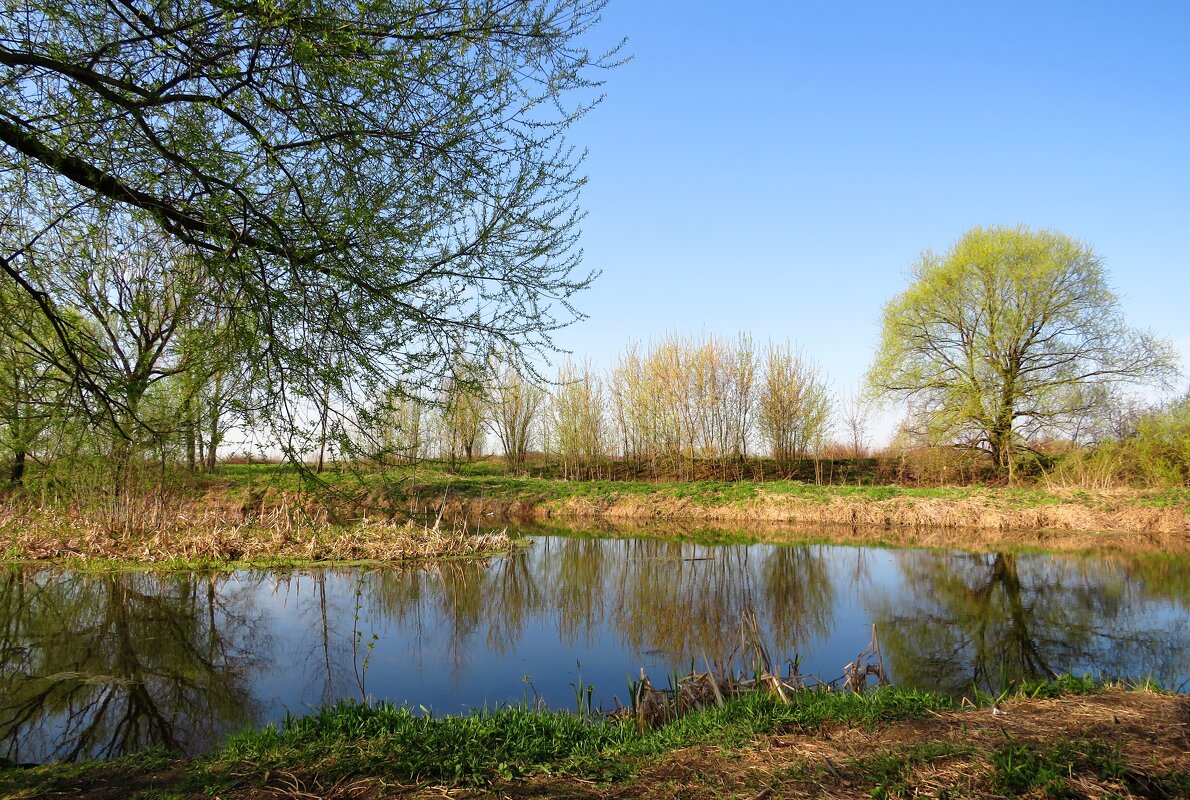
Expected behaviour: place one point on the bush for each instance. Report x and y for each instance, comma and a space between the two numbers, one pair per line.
934, 466
1155, 455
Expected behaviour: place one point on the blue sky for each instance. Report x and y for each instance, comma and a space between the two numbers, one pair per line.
775, 168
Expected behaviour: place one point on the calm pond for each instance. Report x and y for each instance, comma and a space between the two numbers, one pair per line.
107, 664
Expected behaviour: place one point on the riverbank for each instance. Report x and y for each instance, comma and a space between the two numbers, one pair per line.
266, 514
191, 536
887, 743
979, 518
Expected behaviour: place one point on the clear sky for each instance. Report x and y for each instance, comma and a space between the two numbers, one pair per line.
775, 168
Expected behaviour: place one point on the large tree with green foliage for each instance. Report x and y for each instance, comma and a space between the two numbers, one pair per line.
380, 183
1008, 334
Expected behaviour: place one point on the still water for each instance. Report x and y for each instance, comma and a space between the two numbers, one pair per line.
108, 664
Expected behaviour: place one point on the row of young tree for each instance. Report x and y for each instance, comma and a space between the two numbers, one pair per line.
664, 409
700, 407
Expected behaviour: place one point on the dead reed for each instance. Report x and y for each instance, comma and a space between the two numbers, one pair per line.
749, 667
281, 531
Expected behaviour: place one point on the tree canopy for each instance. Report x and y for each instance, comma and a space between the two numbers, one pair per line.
1010, 333
378, 186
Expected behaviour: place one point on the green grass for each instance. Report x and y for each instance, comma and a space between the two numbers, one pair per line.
390, 743
720, 493
1166, 498
709, 493
60, 779
1023, 766
1055, 687
888, 773
350, 739
487, 478
1049, 770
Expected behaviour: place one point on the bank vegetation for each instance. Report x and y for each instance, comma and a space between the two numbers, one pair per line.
1062, 739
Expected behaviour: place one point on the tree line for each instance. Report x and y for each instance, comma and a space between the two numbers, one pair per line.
158, 323
666, 409
1004, 366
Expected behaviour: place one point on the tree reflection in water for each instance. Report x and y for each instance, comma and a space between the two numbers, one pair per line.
686, 601
990, 619
110, 664
674, 598
107, 664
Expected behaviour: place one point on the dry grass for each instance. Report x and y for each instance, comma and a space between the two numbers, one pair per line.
982, 513
275, 532
223, 523
1106, 522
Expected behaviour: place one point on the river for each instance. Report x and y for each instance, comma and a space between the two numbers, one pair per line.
104, 664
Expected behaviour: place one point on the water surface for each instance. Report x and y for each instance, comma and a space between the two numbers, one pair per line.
107, 664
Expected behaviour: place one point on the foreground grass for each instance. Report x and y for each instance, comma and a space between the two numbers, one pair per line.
351, 740
887, 743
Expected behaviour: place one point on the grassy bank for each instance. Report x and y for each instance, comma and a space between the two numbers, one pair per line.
972, 517
1064, 739
268, 514
960, 516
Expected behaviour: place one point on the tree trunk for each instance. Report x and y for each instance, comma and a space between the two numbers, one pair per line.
16, 475
191, 433
326, 410
213, 422
1001, 441
1002, 431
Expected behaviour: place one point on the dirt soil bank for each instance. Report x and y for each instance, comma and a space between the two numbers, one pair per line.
979, 523
221, 525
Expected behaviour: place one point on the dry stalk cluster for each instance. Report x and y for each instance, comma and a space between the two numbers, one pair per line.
280, 530
748, 668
